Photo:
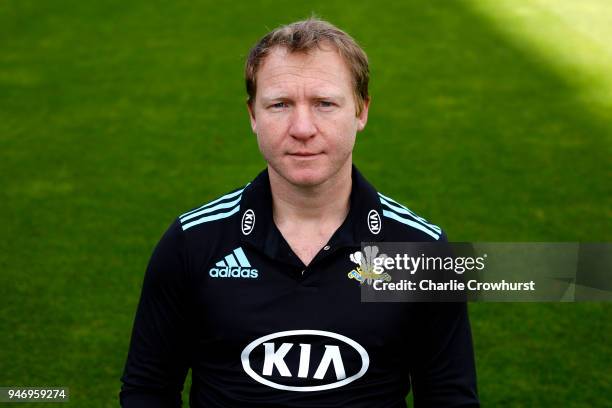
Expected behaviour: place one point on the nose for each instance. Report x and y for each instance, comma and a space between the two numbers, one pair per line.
302, 123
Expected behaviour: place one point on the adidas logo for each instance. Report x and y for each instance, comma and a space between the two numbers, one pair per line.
234, 265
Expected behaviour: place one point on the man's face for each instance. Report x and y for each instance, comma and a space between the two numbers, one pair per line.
304, 115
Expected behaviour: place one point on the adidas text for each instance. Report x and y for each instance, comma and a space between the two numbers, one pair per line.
233, 272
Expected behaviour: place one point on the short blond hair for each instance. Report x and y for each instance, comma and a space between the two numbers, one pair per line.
304, 36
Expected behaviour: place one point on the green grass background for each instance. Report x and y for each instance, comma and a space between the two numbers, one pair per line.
116, 116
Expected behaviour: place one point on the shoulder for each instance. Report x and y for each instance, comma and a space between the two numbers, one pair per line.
403, 224
212, 214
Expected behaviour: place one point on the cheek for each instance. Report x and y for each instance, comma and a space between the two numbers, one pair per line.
270, 127
346, 130
349, 144
268, 137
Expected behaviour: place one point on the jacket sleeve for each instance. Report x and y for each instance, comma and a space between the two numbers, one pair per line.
158, 356
443, 371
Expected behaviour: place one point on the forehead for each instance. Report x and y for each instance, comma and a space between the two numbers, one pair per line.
318, 70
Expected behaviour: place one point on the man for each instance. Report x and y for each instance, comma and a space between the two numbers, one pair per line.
251, 290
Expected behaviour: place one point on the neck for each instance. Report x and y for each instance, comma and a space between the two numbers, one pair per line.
324, 203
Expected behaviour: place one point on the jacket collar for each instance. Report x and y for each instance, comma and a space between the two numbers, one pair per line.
362, 224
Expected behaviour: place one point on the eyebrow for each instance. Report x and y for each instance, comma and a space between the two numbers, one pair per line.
283, 97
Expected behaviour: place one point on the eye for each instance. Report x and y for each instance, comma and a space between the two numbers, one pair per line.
278, 105
326, 104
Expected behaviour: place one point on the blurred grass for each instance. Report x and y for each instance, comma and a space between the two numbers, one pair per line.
115, 117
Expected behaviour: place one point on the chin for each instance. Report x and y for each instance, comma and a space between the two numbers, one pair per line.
306, 178
304, 174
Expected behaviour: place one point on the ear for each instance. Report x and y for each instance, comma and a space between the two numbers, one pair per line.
362, 119
251, 110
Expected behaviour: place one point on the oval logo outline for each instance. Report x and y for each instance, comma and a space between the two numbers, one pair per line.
374, 229
246, 365
246, 229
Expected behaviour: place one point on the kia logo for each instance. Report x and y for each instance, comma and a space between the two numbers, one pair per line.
248, 222
277, 346
374, 223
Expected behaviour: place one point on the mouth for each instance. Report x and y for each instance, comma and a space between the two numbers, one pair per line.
302, 154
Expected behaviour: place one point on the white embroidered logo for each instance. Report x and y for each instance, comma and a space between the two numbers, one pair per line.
332, 351
248, 222
374, 223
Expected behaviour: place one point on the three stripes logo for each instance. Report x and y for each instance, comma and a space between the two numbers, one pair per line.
234, 265
220, 208
394, 210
